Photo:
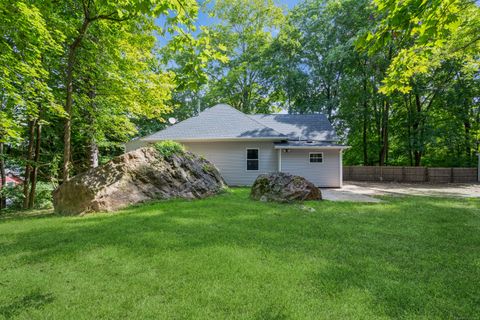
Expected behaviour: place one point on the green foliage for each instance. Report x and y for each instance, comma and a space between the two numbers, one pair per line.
191, 57
209, 168
43, 196
427, 33
14, 196
111, 51
26, 44
245, 31
408, 257
168, 148
323, 63
122, 82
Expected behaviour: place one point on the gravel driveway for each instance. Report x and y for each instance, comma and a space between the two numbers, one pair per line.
363, 191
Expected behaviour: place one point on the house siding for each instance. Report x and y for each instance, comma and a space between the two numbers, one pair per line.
230, 159
325, 174
135, 144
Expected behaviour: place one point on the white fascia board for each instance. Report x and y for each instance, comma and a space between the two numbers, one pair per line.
313, 147
215, 139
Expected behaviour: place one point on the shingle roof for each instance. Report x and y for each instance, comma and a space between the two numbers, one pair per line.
299, 126
225, 122
218, 122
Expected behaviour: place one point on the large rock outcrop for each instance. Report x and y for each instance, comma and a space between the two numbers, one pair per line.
138, 176
284, 187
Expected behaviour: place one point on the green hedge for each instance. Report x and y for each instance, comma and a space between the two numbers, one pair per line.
168, 148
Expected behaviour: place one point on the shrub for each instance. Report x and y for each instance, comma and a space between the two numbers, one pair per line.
168, 148
208, 168
43, 196
14, 196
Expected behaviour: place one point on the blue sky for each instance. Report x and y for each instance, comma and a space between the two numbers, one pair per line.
204, 19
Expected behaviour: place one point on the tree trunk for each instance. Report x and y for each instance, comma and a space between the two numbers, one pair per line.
67, 131
93, 147
365, 121
418, 158
384, 133
416, 131
93, 154
477, 140
3, 178
28, 166
31, 198
364, 137
378, 114
468, 144
408, 106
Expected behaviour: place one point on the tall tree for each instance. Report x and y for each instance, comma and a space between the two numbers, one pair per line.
119, 80
26, 43
430, 32
245, 28
117, 12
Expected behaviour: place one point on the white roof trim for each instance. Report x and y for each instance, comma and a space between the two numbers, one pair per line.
214, 139
312, 147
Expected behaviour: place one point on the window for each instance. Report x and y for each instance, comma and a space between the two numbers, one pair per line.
316, 157
252, 159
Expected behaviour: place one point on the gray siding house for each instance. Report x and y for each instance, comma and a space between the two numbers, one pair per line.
243, 146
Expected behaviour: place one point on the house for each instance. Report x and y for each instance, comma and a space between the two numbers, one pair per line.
243, 146
11, 179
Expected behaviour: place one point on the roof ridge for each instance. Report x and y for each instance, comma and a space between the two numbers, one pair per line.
290, 114
249, 117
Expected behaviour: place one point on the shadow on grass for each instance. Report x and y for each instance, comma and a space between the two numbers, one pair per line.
26, 214
34, 300
415, 256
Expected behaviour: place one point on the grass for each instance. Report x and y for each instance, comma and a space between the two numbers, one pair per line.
230, 257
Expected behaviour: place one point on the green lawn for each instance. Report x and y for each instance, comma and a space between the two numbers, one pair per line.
230, 257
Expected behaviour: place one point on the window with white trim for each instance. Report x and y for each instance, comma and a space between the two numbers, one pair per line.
316, 157
252, 159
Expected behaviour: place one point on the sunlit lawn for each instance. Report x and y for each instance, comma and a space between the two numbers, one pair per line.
230, 257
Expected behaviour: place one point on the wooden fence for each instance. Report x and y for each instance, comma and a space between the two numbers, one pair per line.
409, 174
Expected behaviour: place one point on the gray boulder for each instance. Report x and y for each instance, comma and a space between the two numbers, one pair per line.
138, 176
283, 187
